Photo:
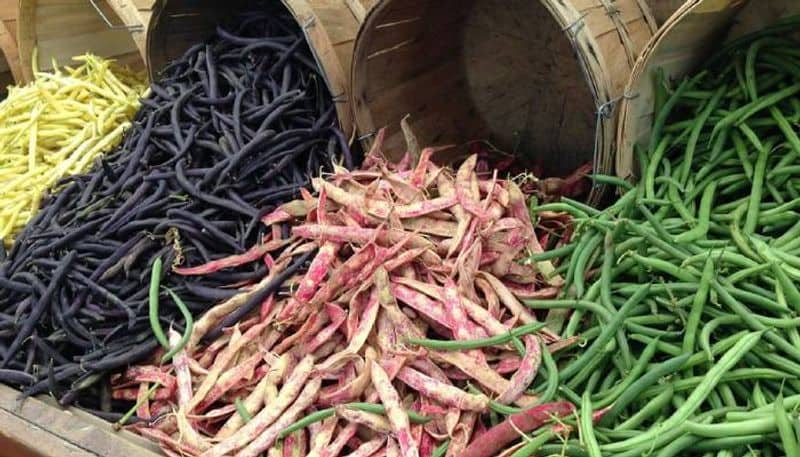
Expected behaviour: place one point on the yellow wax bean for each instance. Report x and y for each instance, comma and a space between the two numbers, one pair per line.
58, 125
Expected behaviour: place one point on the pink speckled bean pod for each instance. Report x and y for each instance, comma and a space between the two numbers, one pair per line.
442, 392
320, 439
228, 380
526, 372
372, 421
251, 255
462, 433
267, 438
257, 397
394, 411
288, 393
368, 448
344, 435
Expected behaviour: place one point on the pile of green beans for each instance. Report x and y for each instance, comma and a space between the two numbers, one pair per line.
685, 290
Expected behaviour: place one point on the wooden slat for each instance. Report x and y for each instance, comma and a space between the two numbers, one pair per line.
34, 428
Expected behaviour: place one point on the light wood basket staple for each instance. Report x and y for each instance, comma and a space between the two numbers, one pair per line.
682, 44
329, 25
62, 29
541, 78
10, 69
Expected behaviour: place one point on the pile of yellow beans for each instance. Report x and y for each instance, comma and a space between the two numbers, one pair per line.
56, 126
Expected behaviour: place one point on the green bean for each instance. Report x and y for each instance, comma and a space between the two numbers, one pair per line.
534, 444
698, 395
323, 414
635, 389
709, 327
597, 364
747, 273
650, 176
606, 274
590, 210
726, 393
651, 332
582, 263
127, 416
569, 394
460, 345
566, 303
700, 122
654, 406
605, 398
612, 181
743, 374
701, 229
551, 368
726, 429
758, 298
750, 67
661, 243
785, 429
743, 113
441, 450
677, 446
698, 304
663, 114
664, 267
242, 410
758, 395
609, 382
670, 181
565, 449
587, 427
561, 208
155, 281
751, 217
607, 333
189, 325
677, 203
558, 252
730, 442
741, 151
374, 408
791, 291
654, 319
752, 322
724, 255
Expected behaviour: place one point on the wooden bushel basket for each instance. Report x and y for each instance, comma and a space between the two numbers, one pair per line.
681, 45
329, 25
62, 29
537, 78
10, 68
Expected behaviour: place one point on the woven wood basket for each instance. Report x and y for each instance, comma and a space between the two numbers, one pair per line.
329, 25
681, 45
62, 29
528, 76
10, 68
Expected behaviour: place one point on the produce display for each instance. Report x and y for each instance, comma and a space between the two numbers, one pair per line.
57, 126
229, 280
230, 130
406, 259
